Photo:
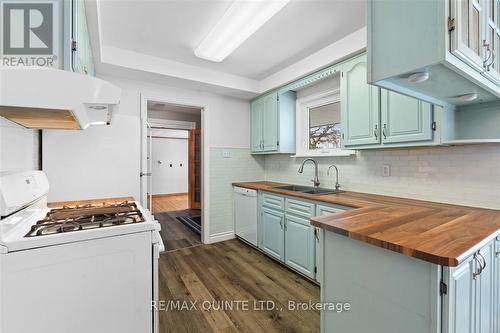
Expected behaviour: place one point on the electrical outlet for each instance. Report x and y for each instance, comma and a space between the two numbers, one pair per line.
386, 170
226, 154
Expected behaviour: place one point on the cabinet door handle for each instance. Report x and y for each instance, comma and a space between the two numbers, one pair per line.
493, 57
484, 262
383, 131
375, 132
316, 233
476, 274
488, 52
480, 262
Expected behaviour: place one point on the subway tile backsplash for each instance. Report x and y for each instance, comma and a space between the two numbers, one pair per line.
465, 175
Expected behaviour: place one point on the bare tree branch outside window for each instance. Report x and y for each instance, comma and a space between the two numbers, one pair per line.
325, 136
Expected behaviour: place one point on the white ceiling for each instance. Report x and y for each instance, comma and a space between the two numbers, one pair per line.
160, 106
172, 29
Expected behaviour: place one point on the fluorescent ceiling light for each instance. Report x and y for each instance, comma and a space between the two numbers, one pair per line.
240, 21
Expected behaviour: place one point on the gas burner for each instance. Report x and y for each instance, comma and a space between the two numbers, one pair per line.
84, 217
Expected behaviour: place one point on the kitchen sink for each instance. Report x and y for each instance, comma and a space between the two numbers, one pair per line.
295, 188
320, 190
308, 189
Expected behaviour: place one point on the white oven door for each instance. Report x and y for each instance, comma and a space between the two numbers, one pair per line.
101, 285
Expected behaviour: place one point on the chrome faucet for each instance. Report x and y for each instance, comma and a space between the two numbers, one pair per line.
316, 179
337, 185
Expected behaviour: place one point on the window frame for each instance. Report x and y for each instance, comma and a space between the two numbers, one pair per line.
304, 105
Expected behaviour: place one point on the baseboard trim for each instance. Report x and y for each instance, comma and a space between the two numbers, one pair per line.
169, 195
221, 236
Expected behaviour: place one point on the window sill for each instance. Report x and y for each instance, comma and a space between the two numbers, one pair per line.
329, 154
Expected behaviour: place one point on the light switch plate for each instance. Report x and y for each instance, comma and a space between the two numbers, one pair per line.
386, 170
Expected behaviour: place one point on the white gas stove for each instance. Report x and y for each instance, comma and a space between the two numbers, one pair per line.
90, 268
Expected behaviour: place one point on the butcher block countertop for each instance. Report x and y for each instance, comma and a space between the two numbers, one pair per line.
442, 234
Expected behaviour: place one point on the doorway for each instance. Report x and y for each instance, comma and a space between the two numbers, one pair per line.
174, 171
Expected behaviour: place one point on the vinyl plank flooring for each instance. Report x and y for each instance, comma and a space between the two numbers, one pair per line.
174, 234
226, 273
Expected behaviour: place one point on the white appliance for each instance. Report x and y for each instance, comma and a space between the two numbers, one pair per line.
245, 214
42, 97
80, 269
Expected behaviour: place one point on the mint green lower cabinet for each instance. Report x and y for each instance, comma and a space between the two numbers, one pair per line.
300, 245
273, 237
496, 302
322, 209
404, 119
485, 292
469, 304
459, 303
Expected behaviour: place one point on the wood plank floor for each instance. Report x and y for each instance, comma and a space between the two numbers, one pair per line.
170, 203
174, 234
233, 271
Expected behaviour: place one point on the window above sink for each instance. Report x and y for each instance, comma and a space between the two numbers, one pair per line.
319, 125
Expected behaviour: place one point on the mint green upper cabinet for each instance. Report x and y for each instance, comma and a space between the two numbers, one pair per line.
492, 10
273, 123
300, 245
270, 122
445, 39
256, 111
273, 237
467, 37
405, 119
359, 103
81, 60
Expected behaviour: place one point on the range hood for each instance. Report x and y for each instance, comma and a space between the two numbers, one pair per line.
46, 98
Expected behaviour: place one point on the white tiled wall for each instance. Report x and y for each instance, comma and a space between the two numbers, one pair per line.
239, 166
466, 175
18, 147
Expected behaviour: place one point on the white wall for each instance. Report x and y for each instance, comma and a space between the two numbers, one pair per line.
170, 165
105, 161
18, 147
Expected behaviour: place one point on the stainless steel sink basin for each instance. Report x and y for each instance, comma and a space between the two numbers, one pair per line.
308, 189
322, 191
295, 188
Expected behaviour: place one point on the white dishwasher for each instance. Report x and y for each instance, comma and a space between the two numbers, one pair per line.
245, 214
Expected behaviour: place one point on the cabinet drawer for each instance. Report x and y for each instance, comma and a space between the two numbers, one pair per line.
323, 209
300, 208
273, 201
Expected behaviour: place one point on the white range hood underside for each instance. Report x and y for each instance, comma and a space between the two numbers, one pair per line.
45, 98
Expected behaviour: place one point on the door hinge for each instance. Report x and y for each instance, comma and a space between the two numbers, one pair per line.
342, 136
443, 288
73, 45
277, 143
315, 269
451, 24
434, 126
342, 74
278, 98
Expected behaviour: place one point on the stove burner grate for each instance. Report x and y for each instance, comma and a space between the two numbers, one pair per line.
85, 217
